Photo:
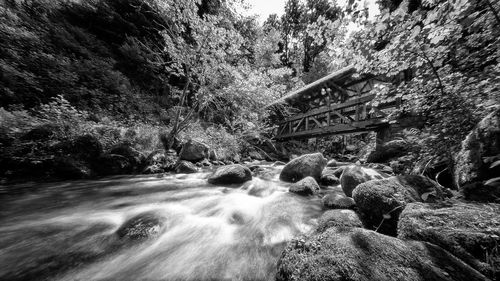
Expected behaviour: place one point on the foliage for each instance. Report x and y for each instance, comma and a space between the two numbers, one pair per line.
449, 48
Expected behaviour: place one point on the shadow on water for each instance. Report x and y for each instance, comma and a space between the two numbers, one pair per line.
68, 230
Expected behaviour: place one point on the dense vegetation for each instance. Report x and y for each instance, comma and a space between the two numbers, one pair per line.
146, 72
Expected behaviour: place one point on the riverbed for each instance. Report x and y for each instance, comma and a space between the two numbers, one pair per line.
69, 230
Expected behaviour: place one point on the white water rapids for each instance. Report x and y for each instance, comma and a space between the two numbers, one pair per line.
68, 231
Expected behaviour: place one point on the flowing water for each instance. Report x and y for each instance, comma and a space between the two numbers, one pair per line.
71, 230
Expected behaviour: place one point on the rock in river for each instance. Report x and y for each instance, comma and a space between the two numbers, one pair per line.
304, 166
230, 174
306, 186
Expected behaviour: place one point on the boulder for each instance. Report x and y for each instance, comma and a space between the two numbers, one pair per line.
338, 218
338, 201
304, 166
354, 175
389, 150
343, 253
380, 202
230, 174
194, 151
140, 227
306, 186
470, 231
134, 157
186, 167
472, 163
328, 177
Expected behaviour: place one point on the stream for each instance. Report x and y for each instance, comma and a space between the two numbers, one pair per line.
74, 230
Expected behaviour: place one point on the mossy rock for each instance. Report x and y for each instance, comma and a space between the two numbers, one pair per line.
380, 202
470, 231
355, 254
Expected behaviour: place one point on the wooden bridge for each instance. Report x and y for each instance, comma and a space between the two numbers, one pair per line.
337, 104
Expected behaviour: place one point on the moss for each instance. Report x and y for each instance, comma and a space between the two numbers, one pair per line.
358, 254
469, 231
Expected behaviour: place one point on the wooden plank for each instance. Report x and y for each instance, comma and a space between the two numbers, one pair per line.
298, 125
342, 116
316, 121
361, 126
321, 110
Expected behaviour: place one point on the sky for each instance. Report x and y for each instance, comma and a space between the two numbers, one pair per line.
264, 8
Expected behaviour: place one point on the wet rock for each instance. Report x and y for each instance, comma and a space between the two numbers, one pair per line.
470, 231
340, 254
354, 175
194, 151
338, 201
380, 202
338, 218
328, 177
472, 163
186, 167
142, 226
304, 166
306, 186
230, 174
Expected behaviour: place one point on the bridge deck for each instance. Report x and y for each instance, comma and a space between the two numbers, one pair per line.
352, 116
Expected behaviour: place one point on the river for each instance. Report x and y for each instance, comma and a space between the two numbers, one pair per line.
71, 230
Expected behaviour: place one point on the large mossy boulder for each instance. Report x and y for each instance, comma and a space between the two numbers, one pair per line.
306, 186
356, 254
307, 165
231, 174
380, 202
470, 231
338, 218
472, 163
194, 151
353, 175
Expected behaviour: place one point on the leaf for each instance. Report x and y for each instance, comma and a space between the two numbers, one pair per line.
386, 216
493, 181
495, 164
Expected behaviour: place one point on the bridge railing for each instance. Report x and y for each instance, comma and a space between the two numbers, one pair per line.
354, 115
